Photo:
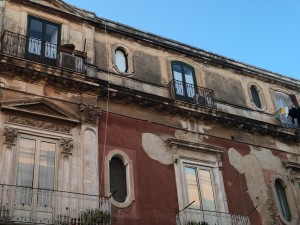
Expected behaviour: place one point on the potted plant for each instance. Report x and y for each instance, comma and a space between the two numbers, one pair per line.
67, 48
95, 217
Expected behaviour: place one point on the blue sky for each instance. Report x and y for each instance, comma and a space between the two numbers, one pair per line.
262, 33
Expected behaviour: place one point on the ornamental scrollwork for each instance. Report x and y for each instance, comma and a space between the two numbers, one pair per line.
10, 134
89, 113
66, 145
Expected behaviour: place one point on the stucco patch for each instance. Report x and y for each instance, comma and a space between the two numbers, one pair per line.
283, 147
252, 166
156, 148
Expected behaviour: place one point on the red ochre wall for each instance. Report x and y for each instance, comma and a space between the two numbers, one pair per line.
154, 183
236, 190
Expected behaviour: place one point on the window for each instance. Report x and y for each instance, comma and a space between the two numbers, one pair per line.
119, 178
118, 186
255, 96
121, 60
43, 39
282, 100
184, 81
199, 187
35, 168
282, 200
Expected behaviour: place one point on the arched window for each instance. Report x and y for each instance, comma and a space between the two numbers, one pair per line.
255, 96
119, 179
121, 60
118, 183
282, 200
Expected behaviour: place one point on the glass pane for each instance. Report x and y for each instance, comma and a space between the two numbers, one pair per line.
255, 96
207, 194
46, 165
189, 79
177, 73
118, 183
284, 207
26, 162
51, 41
121, 61
36, 29
25, 171
282, 100
46, 174
192, 186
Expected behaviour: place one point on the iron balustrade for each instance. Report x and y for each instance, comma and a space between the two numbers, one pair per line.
189, 215
39, 51
191, 93
39, 206
282, 116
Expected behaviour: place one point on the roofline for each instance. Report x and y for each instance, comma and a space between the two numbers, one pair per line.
170, 44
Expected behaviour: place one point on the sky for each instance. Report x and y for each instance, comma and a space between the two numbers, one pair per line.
262, 33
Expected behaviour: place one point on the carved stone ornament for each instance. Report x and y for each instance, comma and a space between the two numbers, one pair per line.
271, 209
291, 176
10, 134
39, 124
219, 160
89, 113
66, 145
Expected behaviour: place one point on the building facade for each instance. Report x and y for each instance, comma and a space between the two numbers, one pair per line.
101, 120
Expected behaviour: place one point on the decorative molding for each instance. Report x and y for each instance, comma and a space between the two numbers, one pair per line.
195, 146
66, 145
271, 209
10, 134
293, 165
89, 113
39, 124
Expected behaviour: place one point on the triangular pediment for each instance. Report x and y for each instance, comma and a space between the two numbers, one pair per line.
57, 4
39, 108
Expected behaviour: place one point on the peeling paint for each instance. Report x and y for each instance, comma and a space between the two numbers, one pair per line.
157, 149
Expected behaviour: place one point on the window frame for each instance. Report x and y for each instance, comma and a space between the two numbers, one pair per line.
125, 59
260, 96
198, 167
38, 139
42, 56
129, 178
290, 197
208, 162
129, 59
292, 97
184, 83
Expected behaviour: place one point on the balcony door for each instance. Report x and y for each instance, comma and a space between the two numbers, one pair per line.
35, 179
184, 81
43, 39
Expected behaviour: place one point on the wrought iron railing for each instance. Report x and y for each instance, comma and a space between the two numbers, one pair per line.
191, 93
37, 206
284, 118
196, 216
39, 51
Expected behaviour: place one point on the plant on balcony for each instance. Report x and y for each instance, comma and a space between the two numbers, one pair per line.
95, 217
67, 48
192, 222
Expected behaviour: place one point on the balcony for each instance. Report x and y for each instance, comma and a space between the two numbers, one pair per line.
35, 206
288, 117
191, 216
42, 52
191, 94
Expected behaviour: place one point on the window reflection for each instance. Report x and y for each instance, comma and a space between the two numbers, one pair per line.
199, 188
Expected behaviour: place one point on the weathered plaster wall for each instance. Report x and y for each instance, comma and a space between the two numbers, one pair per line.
155, 188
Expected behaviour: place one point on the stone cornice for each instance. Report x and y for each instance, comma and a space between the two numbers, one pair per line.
291, 164
208, 58
47, 75
194, 146
207, 115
